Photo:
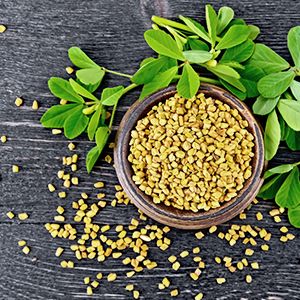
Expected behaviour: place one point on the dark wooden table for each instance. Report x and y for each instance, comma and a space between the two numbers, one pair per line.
33, 48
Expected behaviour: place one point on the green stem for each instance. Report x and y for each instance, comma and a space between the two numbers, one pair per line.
162, 22
113, 112
287, 95
209, 80
117, 73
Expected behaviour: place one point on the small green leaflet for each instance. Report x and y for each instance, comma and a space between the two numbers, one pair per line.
295, 88
197, 56
252, 72
235, 35
294, 216
160, 81
268, 60
189, 82
271, 135
233, 90
294, 44
91, 158
292, 139
62, 89
102, 134
81, 90
254, 32
239, 53
279, 170
263, 106
275, 84
283, 128
196, 27
251, 87
270, 188
225, 15
90, 75
80, 59
75, 124
290, 111
111, 96
211, 22
196, 44
94, 122
179, 39
162, 43
289, 192
221, 69
146, 61
56, 115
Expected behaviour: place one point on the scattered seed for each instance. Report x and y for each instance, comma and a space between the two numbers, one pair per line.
174, 293
69, 70
15, 169
111, 277
35, 105
199, 235
220, 280
22, 243
3, 139
26, 250
10, 215
51, 187
18, 101
59, 251
248, 278
56, 131
23, 216
199, 296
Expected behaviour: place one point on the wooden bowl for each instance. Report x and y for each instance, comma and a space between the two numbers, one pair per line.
167, 214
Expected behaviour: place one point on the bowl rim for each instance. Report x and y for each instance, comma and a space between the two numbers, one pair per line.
169, 215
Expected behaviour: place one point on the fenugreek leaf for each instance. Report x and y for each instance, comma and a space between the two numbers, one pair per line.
290, 111
289, 193
90, 75
197, 56
233, 90
279, 170
294, 44
252, 72
80, 59
271, 135
275, 84
189, 82
292, 139
284, 128
235, 35
225, 15
56, 115
294, 216
271, 186
251, 87
221, 70
160, 81
111, 96
254, 32
162, 43
211, 23
94, 122
167, 63
295, 88
239, 53
62, 89
81, 90
102, 135
196, 44
91, 158
75, 124
263, 106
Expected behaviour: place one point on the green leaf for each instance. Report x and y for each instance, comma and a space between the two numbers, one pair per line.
275, 84
81, 90
225, 15
252, 72
56, 115
62, 89
284, 128
80, 59
211, 22
163, 43
235, 35
75, 124
91, 158
263, 106
290, 111
293, 139
233, 64
271, 186
254, 32
294, 44
146, 61
111, 96
196, 27
295, 88
294, 216
167, 63
196, 44
189, 82
94, 122
160, 81
102, 135
268, 60
90, 75
271, 136
251, 87
289, 192
279, 170
239, 53
90, 87
233, 90
197, 56
221, 69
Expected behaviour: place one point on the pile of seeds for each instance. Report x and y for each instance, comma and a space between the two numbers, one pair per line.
193, 154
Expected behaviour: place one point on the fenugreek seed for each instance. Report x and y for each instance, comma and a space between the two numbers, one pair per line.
199, 235
176, 266
26, 250
59, 251
63, 101
212, 229
248, 278
136, 294
184, 254
18, 101
130, 274
15, 169
69, 70
249, 252
99, 276
86, 280
259, 216
59, 218
95, 284
255, 265
218, 260
111, 277
23, 216
10, 215
166, 282
35, 105
161, 286
129, 287
196, 250
62, 195
274, 212
199, 296
89, 291
84, 196
284, 229
240, 265
56, 131
108, 159
174, 293
220, 280
51, 187
290, 236
283, 239
265, 247
22, 243
172, 258
3, 139
194, 276
99, 184
2, 28
75, 180
277, 219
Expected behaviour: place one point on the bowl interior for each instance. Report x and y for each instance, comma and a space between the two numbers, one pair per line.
124, 170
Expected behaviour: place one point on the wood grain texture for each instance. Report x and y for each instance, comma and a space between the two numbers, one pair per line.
33, 48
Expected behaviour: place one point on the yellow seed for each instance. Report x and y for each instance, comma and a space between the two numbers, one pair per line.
274, 212
136, 294
184, 254
194, 276
248, 278
166, 282
35, 105
18, 101
69, 70
196, 250
259, 216
2, 28
265, 247
51, 187
15, 169
212, 229
130, 274
70, 264
84, 196
23, 216
89, 291
99, 184
95, 284
3, 139
277, 219
74, 158
172, 258
129, 287
59, 251
74, 167
63, 101
255, 265
86, 280
75, 180
220, 280
26, 250
22, 243
283, 239
174, 293
99, 276
111, 277
240, 265
290, 236
56, 131
245, 262
199, 235
176, 266
60, 210
199, 296
161, 286
284, 229
10, 215
62, 195
218, 260
59, 218
108, 159
249, 252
